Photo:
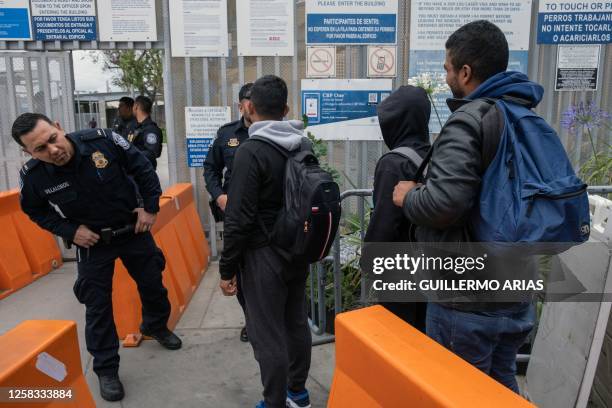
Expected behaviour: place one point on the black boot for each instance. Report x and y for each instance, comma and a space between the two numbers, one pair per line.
165, 337
244, 337
111, 388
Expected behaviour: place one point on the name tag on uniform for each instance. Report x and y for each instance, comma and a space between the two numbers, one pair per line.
233, 142
57, 188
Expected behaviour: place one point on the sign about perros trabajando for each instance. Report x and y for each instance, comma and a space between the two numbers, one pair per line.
575, 22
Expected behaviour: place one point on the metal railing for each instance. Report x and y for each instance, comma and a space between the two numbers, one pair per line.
318, 275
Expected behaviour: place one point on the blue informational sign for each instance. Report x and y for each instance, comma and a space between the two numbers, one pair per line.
201, 125
64, 20
344, 109
351, 22
575, 22
197, 150
14, 20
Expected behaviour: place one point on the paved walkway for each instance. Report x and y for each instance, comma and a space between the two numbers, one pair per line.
213, 369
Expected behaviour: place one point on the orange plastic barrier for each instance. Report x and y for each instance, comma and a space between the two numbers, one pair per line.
27, 252
179, 234
381, 361
42, 355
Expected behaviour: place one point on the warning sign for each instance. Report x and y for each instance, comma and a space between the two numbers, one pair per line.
382, 62
577, 67
321, 62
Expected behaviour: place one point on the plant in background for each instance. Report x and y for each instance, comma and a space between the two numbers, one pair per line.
433, 84
586, 119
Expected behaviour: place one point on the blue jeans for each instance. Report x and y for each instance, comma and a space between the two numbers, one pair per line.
488, 341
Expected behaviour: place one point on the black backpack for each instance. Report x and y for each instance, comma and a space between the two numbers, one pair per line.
308, 221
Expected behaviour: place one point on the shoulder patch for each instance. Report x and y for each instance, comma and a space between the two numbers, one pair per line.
151, 138
120, 141
29, 165
92, 134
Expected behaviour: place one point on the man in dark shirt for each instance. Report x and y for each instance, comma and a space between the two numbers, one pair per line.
273, 287
125, 122
146, 136
76, 186
221, 155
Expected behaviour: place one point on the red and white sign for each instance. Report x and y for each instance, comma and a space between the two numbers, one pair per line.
321, 62
382, 62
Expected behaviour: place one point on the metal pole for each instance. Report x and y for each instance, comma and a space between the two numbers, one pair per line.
44, 83
10, 84
189, 100
223, 67
169, 97
259, 68
213, 224
241, 70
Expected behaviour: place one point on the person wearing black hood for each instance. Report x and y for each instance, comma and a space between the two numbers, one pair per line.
403, 117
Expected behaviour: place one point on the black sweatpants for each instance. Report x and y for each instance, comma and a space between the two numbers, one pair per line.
144, 262
277, 322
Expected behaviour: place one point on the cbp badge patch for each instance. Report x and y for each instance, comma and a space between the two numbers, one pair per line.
233, 142
120, 141
99, 159
151, 138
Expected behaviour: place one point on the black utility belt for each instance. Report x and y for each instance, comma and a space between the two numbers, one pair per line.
109, 234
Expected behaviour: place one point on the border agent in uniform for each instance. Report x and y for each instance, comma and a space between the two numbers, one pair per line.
220, 157
146, 136
76, 186
125, 122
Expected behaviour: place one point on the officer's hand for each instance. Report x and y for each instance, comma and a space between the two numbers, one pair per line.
401, 189
222, 201
84, 237
145, 221
229, 287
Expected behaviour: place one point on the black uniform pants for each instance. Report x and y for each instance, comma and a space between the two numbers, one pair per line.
144, 262
277, 322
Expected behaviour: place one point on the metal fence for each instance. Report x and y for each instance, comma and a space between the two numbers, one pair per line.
215, 82
31, 82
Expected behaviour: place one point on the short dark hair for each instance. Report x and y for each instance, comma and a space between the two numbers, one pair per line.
245, 91
25, 123
145, 103
126, 100
269, 96
481, 45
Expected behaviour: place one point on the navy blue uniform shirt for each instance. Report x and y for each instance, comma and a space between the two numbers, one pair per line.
147, 137
92, 189
124, 127
221, 155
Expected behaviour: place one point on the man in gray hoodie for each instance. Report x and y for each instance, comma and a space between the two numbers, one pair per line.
273, 287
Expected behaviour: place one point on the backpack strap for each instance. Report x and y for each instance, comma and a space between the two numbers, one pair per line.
492, 126
279, 149
409, 153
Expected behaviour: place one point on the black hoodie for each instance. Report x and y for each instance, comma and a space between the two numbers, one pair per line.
403, 118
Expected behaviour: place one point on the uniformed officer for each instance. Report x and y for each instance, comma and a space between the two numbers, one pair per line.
146, 136
220, 157
125, 122
76, 186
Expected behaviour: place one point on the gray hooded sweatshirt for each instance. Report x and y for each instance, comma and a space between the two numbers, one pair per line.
287, 134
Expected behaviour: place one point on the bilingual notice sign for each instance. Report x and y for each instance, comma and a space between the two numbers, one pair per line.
577, 67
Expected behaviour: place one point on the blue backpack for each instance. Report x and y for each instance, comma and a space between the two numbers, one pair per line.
529, 191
